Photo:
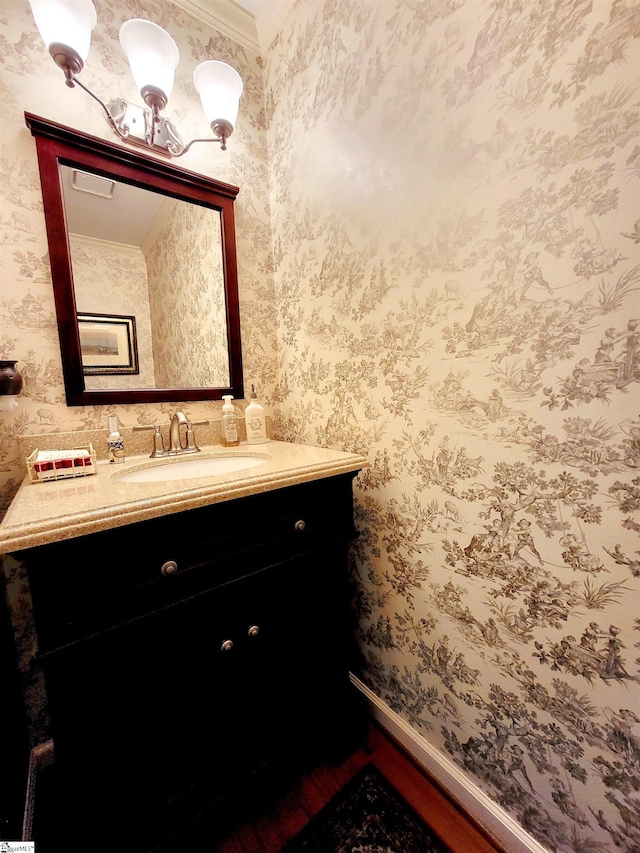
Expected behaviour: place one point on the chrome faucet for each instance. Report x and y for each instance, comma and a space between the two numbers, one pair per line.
175, 443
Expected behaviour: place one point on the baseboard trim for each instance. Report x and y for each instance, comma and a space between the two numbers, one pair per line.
40, 758
465, 793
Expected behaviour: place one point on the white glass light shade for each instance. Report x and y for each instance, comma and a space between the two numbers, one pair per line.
153, 55
67, 22
219, 86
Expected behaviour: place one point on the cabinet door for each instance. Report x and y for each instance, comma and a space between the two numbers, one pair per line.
291, 654
195, 697
139, 715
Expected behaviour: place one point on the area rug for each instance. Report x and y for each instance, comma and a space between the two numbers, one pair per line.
367, 816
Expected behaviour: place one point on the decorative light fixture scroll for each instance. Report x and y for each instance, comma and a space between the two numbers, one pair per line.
65, 27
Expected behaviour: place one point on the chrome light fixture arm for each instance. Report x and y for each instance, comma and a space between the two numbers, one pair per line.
66, 25
156, 130
70, 62
122, 130
220, 137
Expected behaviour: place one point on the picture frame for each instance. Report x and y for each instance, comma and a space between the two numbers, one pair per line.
108, 344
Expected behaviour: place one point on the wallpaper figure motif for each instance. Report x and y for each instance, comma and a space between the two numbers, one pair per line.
448, 212
187, 302
31, 82
457, 278
112, 279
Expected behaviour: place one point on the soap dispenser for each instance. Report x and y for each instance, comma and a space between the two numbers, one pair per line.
229, 423
255, 420
115, 442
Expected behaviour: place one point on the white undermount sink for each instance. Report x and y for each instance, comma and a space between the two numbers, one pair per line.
191, 468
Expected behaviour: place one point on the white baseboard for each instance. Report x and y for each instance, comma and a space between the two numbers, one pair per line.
466, 794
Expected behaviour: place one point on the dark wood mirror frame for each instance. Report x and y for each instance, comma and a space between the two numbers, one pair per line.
56, 145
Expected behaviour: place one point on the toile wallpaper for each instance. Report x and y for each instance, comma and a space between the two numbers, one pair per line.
457, 272
439, 268
184, 267
31, 82
112, 279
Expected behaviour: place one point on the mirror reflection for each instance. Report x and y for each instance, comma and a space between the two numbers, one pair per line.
155, 314
149, 285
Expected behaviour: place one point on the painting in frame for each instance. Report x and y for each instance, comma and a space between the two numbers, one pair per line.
108, 344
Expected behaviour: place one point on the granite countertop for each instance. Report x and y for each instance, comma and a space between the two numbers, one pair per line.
52, 511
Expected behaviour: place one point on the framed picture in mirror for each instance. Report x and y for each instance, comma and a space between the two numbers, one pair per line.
108, 344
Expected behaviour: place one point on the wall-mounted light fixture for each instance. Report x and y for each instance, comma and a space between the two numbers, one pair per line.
65, 27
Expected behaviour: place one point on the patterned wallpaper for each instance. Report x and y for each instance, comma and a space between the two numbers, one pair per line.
31, 82
186, 281
112, 279
456, 235
454, 211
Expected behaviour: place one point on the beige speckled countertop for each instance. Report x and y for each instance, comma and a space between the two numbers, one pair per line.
52, 511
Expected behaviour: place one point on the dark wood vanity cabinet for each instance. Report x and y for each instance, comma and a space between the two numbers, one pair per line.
184, 653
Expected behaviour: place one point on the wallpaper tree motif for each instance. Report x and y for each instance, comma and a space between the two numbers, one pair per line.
455, 208
32, 83
184, 265
113, 280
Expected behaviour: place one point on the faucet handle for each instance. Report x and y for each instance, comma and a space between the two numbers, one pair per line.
191, 446
158, 443
158, 440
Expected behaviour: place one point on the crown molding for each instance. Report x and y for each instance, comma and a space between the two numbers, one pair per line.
84, 241
227, 17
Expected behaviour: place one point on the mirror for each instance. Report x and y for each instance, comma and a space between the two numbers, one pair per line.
144, 272
152, 262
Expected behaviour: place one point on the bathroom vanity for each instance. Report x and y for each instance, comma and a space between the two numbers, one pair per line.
184, 651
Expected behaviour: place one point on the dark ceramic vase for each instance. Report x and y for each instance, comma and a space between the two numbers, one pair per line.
10, 379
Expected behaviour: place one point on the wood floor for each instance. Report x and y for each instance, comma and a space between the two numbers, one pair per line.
265, 822
268, 828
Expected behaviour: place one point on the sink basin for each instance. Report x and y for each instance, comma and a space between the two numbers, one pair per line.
191, 469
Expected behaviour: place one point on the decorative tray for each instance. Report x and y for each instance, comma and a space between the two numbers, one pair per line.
46, 465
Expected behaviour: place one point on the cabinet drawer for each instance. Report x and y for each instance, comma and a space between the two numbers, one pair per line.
86, 585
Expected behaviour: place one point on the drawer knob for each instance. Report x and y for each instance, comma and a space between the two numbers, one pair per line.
226, 646
300, 525
169, 568
254, 630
